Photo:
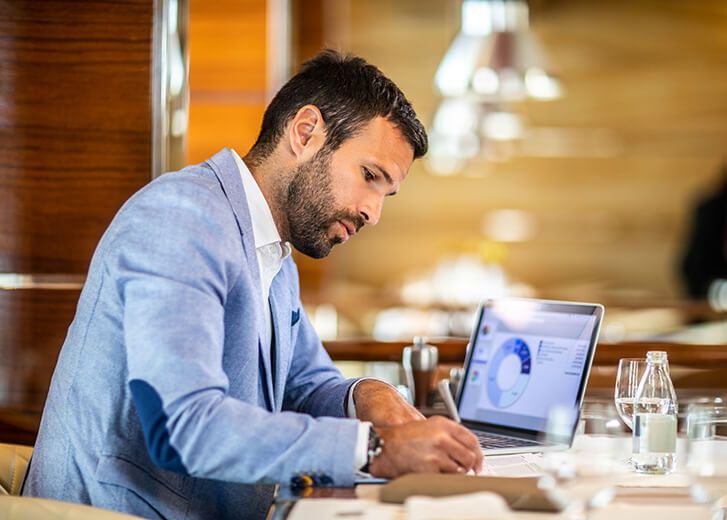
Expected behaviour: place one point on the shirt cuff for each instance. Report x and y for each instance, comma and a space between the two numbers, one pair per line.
362, 446
350, 404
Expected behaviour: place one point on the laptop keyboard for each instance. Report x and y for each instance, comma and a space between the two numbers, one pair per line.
492, 440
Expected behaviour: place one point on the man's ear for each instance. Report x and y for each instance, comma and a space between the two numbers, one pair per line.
306, 132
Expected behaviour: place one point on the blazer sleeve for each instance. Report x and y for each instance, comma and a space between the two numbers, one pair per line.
176, 252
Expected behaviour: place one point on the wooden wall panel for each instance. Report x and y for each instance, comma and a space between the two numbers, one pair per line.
74, 126
227, 45
75, 143
28, 349
308, 28
227, 75
213, 126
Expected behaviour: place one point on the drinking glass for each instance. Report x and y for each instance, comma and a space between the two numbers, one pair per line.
629, 373
587, 472
706, 461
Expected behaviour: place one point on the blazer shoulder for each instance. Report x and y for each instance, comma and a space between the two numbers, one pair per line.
194, 189
189, 180
186, 205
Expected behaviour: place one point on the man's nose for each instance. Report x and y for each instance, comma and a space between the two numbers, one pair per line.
371, 211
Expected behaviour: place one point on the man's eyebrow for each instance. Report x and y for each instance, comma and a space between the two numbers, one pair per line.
387, 177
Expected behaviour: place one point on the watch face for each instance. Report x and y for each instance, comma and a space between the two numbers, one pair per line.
375, 447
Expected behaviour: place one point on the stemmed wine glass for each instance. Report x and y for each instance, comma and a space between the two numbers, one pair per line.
629, 373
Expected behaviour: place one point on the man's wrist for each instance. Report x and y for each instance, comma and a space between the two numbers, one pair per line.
374, 449
360, 456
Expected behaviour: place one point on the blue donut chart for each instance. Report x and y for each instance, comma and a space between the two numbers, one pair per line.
504, 397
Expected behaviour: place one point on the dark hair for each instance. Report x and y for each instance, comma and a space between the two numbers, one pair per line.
349, 92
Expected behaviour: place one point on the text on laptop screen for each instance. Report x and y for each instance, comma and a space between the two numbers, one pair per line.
524, 361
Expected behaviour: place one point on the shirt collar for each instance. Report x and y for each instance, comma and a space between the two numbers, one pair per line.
263, 225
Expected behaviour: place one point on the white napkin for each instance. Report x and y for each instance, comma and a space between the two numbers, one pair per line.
473, 506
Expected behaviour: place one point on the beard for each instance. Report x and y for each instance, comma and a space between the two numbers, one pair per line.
311, 208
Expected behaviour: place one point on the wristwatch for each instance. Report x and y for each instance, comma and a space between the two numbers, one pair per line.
375, 447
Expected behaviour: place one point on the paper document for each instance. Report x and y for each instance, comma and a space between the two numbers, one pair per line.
480, 506
345, 509
522, 465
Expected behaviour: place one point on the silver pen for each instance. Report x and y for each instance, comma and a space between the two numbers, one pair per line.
446, 394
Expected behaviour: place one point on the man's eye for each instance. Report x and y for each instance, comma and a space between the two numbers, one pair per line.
368, 175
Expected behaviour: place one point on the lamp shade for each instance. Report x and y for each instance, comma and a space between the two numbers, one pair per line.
495, 57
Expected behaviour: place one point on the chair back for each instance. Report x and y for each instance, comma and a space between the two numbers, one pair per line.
31, 508
14, 459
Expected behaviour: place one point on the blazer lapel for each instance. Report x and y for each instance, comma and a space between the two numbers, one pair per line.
281, 312
225, 168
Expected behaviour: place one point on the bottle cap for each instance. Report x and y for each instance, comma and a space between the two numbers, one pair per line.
656, 356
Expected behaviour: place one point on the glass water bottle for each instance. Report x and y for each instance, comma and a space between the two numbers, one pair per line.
655, 418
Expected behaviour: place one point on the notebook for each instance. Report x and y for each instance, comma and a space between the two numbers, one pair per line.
525, 358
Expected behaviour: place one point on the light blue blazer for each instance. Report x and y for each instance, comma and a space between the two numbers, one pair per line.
166, 402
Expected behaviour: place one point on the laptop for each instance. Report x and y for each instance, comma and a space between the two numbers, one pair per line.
525, 358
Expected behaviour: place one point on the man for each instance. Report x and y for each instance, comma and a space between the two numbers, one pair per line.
704, 260
191, 379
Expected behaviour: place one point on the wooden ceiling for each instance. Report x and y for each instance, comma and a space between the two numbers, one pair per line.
648, 78
640, 134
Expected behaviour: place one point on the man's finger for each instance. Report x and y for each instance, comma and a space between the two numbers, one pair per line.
447, 465
468, 439
418, 415
464, 435
460, 454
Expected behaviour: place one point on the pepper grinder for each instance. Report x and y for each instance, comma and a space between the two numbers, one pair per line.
420, 366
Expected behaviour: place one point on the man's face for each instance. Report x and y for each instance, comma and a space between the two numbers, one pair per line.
332, 195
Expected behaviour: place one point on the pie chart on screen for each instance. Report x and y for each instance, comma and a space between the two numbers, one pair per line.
509, 372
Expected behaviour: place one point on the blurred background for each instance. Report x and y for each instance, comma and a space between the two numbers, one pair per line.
577, 152
577, 183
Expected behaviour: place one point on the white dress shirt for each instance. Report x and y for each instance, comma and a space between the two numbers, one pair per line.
271, 251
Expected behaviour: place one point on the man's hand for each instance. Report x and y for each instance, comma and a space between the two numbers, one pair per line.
381, 404
436, 445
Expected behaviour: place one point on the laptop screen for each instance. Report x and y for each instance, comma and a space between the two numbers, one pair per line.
527, 356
